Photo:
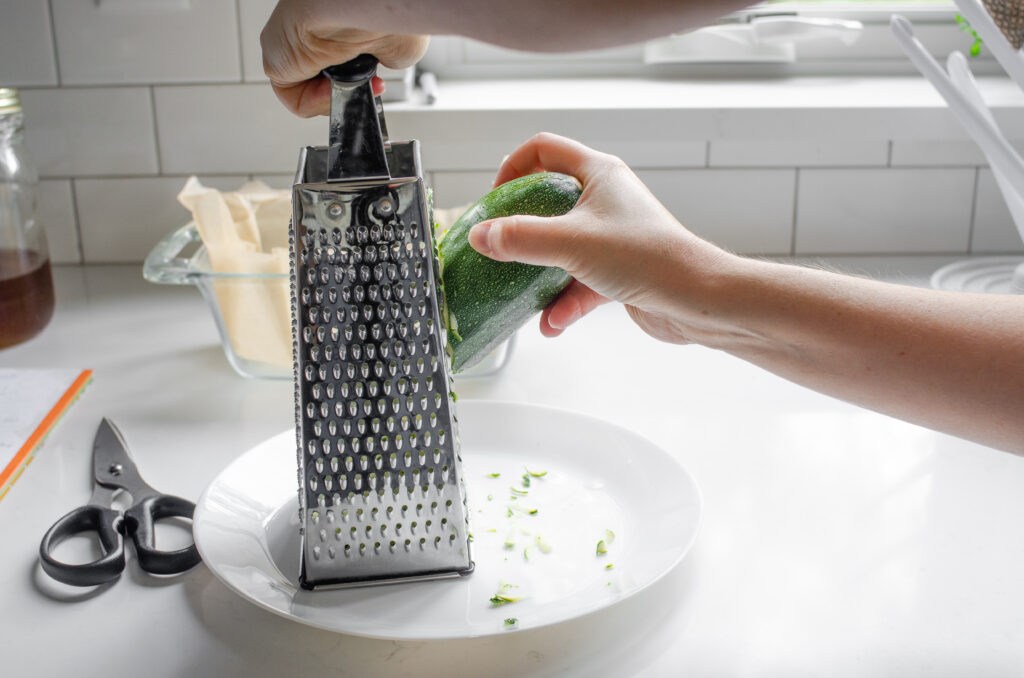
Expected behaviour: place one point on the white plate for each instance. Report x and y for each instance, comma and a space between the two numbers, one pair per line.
992, 275
599, 477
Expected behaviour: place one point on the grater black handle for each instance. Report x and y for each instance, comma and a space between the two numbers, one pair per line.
106, 523
356, 148
139, 521
363, 67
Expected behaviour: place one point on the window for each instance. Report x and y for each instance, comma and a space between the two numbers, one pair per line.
822, 44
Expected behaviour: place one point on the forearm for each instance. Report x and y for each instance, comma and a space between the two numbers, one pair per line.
953, 362
538, 25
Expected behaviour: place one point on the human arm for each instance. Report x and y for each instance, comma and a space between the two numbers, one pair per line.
953, 362
304, 36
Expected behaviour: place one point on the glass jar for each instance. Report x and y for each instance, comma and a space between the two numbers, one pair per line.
26, 281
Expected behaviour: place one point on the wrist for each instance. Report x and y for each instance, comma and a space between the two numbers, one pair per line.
723, 298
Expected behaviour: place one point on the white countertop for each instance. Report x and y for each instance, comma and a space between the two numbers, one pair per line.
835, 541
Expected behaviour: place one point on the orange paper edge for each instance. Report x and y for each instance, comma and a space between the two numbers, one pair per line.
14, 466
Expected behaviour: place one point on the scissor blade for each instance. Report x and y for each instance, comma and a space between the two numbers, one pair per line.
112, 467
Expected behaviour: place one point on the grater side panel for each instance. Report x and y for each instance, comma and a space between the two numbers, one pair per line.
381, 492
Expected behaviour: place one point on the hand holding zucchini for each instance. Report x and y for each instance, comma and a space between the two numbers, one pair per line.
488, 300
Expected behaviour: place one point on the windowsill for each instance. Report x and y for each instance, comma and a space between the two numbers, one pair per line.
647, 94
791, 122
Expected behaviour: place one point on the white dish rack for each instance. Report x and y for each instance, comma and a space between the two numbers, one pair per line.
957, 86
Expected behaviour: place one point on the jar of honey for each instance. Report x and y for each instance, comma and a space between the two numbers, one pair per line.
26, 281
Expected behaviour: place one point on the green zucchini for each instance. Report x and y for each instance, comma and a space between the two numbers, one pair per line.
487, 300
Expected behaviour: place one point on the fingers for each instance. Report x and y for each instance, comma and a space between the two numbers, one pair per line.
297, 45
552, 153
542, 241
399, 51
313, 97
573, 303
306, 99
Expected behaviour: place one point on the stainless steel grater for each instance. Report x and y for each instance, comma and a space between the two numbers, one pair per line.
381, 496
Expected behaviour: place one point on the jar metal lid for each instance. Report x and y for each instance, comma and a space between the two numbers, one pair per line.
9, 100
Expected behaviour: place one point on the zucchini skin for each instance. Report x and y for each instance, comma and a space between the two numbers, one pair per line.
487, 300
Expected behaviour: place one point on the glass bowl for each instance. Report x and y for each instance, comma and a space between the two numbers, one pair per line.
252, 311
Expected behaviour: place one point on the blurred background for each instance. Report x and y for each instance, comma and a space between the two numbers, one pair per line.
820, 142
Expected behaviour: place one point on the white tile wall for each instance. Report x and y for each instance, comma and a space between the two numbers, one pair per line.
279, 181
775, 124
82, 132
26, 44
454, 189
994, 230
917, 153
466, 140
852, 211
230, 128
922, 153
146, 42
744, 210
252, 16
798, 153
55, 207
122, 219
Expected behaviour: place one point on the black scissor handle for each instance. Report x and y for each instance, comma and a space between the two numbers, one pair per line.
139, 520
106, 523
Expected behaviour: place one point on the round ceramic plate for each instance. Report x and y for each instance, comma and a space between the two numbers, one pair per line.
992, 275
588, 482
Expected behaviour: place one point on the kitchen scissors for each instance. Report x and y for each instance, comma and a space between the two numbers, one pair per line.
114, 471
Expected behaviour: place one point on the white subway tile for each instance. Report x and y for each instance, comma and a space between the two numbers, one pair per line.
122, 219
26, 44
278, 181
120, 43
923, 152
78, 132
56, 212
744, 210
884, 121
230, 128
942, 152
884, 211
798, 153
479, 139
994, 230
252, 16
455, 189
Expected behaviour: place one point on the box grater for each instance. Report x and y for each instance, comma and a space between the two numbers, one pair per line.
381, 496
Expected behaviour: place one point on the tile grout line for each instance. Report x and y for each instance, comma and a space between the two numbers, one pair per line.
796, 196
156, 130
241, 52
888, 158
974, 210
78, 221
53, 38
707, 154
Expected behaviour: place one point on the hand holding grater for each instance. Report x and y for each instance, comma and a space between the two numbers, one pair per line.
381, 496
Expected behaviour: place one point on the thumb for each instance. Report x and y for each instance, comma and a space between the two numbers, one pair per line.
542, 241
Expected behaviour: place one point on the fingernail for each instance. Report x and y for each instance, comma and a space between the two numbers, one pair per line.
568, 321
478, 238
